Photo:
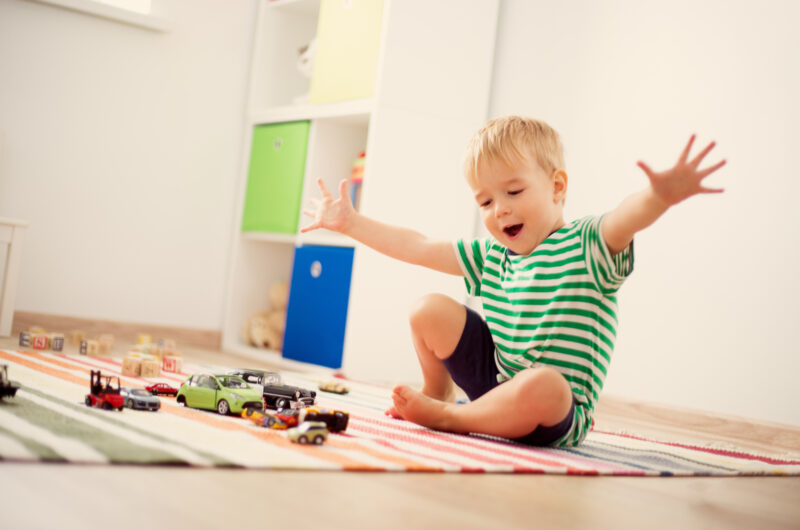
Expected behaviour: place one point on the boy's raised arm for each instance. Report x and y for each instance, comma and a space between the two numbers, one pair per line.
396, 242
666, 189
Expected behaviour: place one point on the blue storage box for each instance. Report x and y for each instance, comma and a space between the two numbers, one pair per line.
318, 298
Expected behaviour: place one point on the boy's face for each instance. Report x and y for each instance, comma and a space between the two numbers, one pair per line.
520, 206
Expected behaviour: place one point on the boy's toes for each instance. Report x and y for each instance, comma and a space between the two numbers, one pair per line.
392, 412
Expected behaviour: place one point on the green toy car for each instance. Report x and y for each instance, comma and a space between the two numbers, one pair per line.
309, 432
224, 393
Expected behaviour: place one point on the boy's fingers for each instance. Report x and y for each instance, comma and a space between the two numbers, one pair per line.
645, 168
703, 189
687, 149
309, 213
699, 158
325, 191
708, 171
310, 227
343, 190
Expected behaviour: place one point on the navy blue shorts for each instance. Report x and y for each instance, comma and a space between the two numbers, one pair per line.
473, 369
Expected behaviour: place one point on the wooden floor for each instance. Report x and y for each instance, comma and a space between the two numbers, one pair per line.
36, 496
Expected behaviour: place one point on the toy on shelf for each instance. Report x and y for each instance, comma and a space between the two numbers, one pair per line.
334, 387
305, 65
103, 393
7, 387
140, 399
309, 432
265, 328
224, 393
356, 179
162, 389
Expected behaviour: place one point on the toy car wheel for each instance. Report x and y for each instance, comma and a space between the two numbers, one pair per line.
303, 439
281, 404
88, 401
107, 406
223, 407
129, 404
318, 439
182, 401
270, 421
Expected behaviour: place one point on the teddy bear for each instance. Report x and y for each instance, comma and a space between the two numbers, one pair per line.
264, 329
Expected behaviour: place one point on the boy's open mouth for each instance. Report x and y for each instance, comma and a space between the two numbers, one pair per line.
512, 230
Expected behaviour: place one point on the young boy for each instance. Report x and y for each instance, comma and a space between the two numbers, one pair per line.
534, 368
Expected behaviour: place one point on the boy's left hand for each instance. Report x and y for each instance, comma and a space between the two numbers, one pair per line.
684, 179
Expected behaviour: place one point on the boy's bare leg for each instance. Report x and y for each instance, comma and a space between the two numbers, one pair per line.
536, 396
437, 322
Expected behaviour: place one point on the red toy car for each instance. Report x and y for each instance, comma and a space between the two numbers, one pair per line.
162, 389
103, 394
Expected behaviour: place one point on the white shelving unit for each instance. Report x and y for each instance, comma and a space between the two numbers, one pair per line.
431, 94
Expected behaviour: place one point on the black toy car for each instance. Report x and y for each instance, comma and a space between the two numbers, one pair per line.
7, 388
335, 420
287, 396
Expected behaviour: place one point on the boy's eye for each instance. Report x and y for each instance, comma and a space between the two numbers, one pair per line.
486, 203
515, 192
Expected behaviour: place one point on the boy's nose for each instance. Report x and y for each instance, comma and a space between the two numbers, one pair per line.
501, 208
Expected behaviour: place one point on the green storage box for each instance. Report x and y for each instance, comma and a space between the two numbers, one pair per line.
275, 178
346, 56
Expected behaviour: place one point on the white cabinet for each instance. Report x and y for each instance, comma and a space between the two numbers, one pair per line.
430, 94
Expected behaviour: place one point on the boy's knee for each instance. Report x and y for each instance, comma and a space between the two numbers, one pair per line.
544, 386
429, 307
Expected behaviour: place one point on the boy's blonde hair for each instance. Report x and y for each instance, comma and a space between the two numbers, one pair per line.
514, 140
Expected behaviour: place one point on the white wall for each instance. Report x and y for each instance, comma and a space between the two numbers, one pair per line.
708, 317
121, 146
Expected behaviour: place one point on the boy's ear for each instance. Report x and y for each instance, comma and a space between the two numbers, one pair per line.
559, 185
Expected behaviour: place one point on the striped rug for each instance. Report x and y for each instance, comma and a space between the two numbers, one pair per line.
47, 421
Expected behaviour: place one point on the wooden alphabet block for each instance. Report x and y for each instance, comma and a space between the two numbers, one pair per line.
144, 338
76, 337
106, 344
40, 342
57, 341
92, 347
131, 366
24, 339
172, 364
150, 368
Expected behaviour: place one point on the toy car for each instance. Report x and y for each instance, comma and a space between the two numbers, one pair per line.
258, 377
7, 388
223, 393
285, 396
103, 393
335, 387
139, 398
162, 389
309, 432
335, 420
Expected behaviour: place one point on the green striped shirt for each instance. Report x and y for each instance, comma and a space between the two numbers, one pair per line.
556, 307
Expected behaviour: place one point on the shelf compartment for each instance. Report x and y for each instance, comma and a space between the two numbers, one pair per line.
275, 177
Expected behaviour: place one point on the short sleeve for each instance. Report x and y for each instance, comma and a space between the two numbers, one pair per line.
471, 256
609, 272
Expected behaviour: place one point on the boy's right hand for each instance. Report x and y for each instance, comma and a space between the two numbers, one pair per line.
330, 212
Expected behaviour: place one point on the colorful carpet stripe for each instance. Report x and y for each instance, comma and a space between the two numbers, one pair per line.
48, 421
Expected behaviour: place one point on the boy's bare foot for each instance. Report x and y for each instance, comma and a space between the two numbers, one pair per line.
414, 406
394, 413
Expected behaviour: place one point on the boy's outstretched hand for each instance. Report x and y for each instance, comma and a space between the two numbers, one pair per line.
330, 212
684, 179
